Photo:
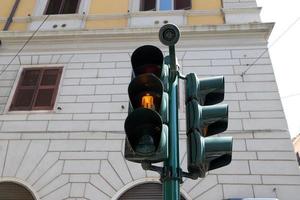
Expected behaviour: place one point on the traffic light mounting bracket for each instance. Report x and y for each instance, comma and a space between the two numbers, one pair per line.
166, 172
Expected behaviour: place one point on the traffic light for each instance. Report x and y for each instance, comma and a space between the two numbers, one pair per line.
146, 125
204, 119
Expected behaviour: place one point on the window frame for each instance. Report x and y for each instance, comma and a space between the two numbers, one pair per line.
60, 8
158, 3
37, 87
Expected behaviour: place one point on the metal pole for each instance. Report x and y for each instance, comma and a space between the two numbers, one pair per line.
171, 186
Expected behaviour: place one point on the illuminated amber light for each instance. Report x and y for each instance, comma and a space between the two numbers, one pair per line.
148, 101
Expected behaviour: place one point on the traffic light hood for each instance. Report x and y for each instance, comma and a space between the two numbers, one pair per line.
209, 120
147, 59
208, 91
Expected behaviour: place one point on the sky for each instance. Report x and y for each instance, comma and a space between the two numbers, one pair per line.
284, 50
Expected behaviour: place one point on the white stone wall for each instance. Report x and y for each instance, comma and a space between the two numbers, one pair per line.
77, 152
239, 3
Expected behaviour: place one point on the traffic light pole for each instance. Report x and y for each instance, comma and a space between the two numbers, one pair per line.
171, 182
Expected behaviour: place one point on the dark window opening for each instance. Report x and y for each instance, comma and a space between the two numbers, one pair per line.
13, 191
62, 7
146, 191
147, 5
37, 89
182, 4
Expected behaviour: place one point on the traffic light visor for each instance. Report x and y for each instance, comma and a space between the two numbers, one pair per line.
207, 91
218, 151
208, 120
147, 59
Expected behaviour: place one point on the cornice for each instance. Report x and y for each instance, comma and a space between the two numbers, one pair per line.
124, 38
120, 33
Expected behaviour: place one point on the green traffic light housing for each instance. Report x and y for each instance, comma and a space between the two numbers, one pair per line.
204, 119
148, 114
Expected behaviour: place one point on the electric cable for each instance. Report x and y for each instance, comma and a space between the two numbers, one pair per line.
24, 45
271, 45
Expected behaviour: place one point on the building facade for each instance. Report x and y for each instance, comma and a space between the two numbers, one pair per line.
64, 72
296, 143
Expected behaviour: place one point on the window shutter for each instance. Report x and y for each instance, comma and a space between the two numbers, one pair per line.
147, 5
53, 7
182, 4
62, 7
47, 89
69, 6
24, 93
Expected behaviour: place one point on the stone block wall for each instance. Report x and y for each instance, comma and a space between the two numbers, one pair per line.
76, 150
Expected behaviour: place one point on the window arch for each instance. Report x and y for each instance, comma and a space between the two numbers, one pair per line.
14, 191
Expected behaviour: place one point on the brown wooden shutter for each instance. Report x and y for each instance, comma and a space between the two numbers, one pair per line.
69, 6
182, 4
62, 7
12, 191
37, 89
25, 91
147, 191
147, 5
47, 89
53, 7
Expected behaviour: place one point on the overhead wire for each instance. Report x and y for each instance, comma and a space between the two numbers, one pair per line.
271, 45
291, 95
25, 44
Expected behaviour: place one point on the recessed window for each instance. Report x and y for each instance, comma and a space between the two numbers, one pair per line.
13, 191
55, 7
37, 89
146, 5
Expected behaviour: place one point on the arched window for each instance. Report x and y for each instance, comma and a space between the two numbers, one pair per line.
13, 191
146, 191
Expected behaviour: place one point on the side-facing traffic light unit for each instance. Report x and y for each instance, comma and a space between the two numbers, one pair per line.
205, 119
146, 125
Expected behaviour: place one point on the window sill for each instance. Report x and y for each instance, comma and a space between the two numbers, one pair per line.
158, 18
12, 112
58, 22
